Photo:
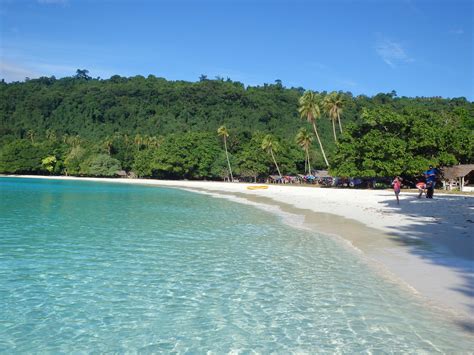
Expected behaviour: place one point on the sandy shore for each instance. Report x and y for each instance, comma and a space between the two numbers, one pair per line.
427, 244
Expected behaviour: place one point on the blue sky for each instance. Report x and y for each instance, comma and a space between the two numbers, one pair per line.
418, 48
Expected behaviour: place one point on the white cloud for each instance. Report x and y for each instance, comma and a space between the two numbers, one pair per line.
392, 52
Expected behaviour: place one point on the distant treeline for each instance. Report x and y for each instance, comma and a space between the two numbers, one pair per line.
168, 129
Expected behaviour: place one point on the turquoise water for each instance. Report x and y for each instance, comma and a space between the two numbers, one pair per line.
111, 268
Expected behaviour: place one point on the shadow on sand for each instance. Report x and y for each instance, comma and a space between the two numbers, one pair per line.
445, 238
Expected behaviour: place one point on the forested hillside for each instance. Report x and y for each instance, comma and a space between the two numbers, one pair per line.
168, 129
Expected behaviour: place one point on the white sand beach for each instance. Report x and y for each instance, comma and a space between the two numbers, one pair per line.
426, 244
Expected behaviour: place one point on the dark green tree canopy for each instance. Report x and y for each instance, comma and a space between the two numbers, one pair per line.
162, 128
388, 143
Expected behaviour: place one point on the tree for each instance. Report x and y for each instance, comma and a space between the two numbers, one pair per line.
108, 143
187, 155
304, 140
309, 109
220, 168
251, 163
20, 156
49, 163
50, 135
83, 112
138, 141
100, 165
270, 145
31, 135
152, 141
74, 160
143, 164
388, 143
75, 141
333, 106
222, 131
82, 74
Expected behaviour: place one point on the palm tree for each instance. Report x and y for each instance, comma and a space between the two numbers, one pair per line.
152, 142
108, 142
222, 131
304, 140
50, 135
75, 140
138, 141
309, 109
333, 104
270, 145
31, 135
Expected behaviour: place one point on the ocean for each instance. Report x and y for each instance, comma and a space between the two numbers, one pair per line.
103, 267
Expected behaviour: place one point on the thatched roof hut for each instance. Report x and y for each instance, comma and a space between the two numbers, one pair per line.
458, 175
122, 173
457, 171
321, 173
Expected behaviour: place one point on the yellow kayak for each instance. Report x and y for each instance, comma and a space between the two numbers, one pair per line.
258, 187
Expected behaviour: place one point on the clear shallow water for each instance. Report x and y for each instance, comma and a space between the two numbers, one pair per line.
111, 268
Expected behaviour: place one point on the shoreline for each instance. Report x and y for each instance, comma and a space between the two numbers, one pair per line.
426, 244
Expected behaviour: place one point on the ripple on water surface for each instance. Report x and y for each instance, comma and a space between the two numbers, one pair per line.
91, 266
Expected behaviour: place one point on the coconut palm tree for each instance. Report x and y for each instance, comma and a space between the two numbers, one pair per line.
270, 145
222, 131
108, 142
31, 135
152, 142
75, 140
309, 109
138, 141
328, 108
304, 140
50, 135
333, 104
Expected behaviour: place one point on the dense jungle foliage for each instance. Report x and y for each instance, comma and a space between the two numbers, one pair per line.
168, 129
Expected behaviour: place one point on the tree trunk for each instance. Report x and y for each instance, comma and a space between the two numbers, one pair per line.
228, 161
309, 165
274, 160
334, 130
320, 145
339, 120
305, 164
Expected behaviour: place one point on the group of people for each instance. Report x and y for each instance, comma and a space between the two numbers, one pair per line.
426, 186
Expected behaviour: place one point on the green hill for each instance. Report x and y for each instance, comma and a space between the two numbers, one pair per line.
155, 127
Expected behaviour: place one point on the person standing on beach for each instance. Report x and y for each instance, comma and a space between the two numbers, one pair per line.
397, 184
430, 176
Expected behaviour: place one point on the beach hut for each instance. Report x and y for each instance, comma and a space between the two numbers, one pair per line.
122, 174
458, 176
